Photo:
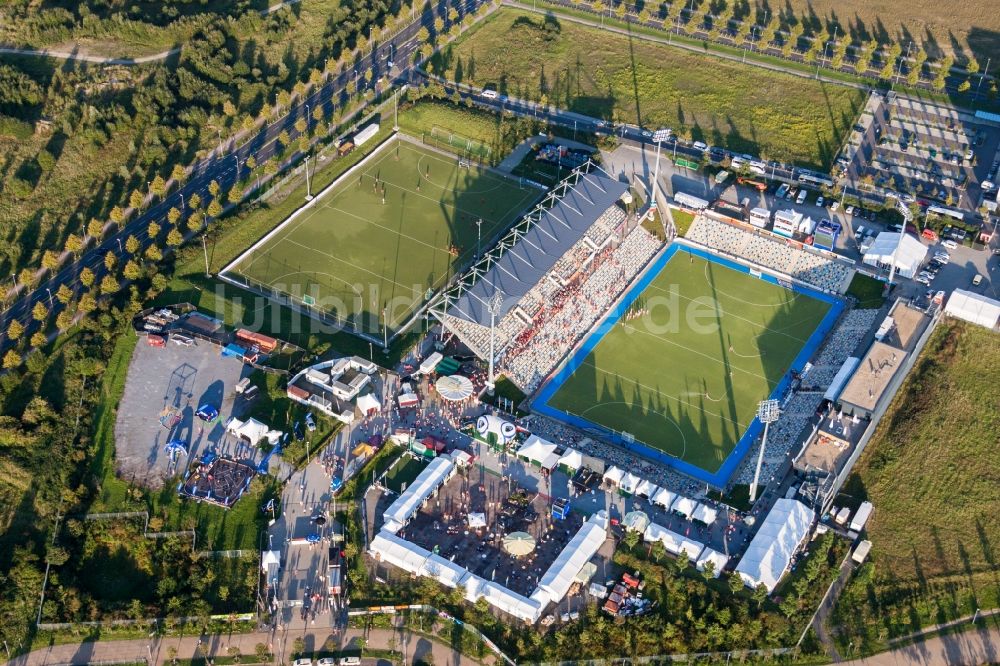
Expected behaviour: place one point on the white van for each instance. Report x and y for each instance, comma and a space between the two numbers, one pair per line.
350, 661
490, 94
801, 199
699, 145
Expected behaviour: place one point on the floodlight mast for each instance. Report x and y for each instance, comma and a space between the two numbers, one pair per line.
659, 136
493, 305
907, 218
768, 412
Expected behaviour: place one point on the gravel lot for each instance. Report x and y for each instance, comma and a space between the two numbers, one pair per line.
173, 378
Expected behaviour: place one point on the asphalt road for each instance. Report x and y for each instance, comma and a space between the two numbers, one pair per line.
226, 168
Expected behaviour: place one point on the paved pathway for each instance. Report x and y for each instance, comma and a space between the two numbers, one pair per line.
979, 646
103, 60
159, 651
826, 607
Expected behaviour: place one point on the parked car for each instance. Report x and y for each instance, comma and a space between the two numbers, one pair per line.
327, 661
182, 340
835, 205
700, 145
819, 201
923, 280
156, 341
978, 280
303, 662
950, 244
350, 661
310, 422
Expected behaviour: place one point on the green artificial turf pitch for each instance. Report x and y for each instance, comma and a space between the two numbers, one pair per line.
685, 368
358, 252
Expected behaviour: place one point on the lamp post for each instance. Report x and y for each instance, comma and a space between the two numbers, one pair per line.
308, 186
494, 305
767, 412
50, 296
479, 236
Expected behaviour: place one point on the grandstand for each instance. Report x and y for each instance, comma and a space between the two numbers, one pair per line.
769, 252
566, 240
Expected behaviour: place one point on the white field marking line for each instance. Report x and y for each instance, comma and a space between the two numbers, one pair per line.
389, 229
737, 298
760, 327
452, 165
391, 324
675, 397
695, 351
343, 261
663, 415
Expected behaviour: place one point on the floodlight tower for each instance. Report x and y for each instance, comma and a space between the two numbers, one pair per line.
659, 136
907, 218
767, 412
493, 305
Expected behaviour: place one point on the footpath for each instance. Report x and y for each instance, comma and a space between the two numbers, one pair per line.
158, 651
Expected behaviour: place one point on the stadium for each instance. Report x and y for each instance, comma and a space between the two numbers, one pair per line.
368, 251
664, 350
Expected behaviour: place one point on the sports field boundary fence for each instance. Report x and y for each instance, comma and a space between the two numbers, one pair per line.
459, 144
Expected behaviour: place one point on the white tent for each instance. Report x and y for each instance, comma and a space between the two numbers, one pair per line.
473, 586
636, 521
488, 423
770, 552
426, 483
908, 256
559, 577
571, 459
630, 482
368, 403
539, 452
717, 559
703, 513
511, 602
251, 430
647, 489
454, 387
389, 548
664, 498
674, 543
443, 571
614, 476
430, 363
684, 506
974, 308
477, 520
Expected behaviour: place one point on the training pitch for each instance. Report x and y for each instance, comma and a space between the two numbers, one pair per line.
678, 368
372, 247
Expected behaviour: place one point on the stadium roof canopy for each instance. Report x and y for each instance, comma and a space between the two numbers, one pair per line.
770, 552
533, 254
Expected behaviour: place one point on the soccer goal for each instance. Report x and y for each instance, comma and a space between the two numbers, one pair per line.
458, 143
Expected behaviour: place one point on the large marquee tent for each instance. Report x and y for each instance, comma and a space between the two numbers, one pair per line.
770, 552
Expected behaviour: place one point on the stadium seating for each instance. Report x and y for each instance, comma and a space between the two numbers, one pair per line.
769, 252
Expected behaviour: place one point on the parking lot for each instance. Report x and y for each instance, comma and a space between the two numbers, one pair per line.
926, 151
172, 382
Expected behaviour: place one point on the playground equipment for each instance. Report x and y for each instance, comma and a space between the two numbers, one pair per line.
175, 448
169, 418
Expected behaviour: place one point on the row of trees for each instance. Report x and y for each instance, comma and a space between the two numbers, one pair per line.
722, 22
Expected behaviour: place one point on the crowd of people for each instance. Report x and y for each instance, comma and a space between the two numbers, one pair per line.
574, 310
765, 250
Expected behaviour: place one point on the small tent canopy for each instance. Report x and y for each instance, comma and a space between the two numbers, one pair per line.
614, 476
664, 498
430, 363
973, 307
251, 430
636, 520
539, 452
703, 513
477, 520
630, 482
647, 489
368, 403
684, 506
571, 460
